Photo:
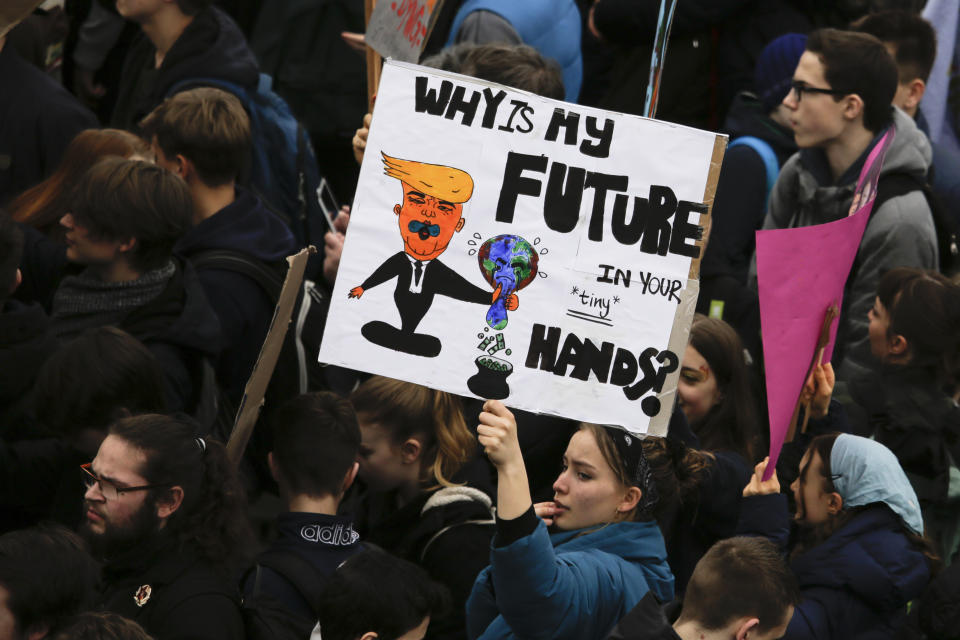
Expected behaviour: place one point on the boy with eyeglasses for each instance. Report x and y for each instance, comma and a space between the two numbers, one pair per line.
839, 105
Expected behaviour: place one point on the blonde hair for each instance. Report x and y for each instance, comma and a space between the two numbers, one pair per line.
409, 410
444, 183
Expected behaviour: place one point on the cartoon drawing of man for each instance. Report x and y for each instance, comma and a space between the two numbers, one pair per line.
431, 212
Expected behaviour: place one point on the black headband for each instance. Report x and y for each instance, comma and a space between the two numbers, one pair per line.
630, 448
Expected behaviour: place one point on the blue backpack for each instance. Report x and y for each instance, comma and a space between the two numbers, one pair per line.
283, 171
766, 153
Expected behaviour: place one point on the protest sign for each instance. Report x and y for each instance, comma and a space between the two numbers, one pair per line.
399, 29
800, 273
508, 246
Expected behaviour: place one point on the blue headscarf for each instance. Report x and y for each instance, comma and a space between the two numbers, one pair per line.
864, 471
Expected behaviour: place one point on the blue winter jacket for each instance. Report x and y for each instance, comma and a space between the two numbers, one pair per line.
549, 26
856, 584
570, 585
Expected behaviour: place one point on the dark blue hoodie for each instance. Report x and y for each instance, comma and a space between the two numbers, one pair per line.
856, 583
323, 542
212, 46
243, 307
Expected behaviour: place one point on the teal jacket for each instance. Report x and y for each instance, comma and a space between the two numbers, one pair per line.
571, 585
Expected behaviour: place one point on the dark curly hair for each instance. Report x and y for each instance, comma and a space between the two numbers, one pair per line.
212, 517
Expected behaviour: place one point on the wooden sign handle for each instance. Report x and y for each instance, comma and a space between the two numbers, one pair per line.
374, 61
832, 313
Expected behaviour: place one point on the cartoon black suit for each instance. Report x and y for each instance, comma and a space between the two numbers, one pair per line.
414, 301
431, 212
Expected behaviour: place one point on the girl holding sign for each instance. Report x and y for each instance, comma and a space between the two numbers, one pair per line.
607, 555
857, 551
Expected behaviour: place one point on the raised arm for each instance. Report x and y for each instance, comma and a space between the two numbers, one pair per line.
498, 435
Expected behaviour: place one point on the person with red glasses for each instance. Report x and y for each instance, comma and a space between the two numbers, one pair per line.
165, 513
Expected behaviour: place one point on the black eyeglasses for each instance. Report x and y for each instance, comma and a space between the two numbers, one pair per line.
800, 88
109, 490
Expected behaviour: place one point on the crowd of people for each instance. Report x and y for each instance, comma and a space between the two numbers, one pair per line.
144, 224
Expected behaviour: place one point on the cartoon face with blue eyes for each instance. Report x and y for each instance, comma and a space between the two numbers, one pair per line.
509, 262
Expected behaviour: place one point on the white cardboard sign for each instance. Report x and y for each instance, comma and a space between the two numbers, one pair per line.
474, 197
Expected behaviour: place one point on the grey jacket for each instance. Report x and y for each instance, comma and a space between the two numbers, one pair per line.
900, 233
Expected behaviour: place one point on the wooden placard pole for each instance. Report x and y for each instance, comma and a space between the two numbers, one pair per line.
832, 314
256, 387
374, 61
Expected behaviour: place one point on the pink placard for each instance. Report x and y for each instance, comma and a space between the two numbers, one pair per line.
800, 273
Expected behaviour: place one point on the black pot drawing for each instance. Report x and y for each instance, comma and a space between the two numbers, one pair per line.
490, 381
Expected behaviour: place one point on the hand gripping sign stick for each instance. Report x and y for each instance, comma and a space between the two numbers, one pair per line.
657, 56
256, 387
832, 314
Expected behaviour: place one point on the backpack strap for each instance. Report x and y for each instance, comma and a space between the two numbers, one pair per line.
426, 547
894, 185
216, 83
767, 155
948, 235
294, 569
267, 278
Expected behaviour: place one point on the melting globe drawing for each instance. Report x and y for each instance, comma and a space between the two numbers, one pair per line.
509, 262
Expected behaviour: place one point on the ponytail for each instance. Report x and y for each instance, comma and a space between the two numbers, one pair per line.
212, 516
678, 472
455, 443
435, 418
924, 308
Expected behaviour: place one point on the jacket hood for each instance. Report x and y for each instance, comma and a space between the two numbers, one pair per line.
870, 556
822, 199
637, 542
746, 118
212, 46
910, 153
180, 315
245, 225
